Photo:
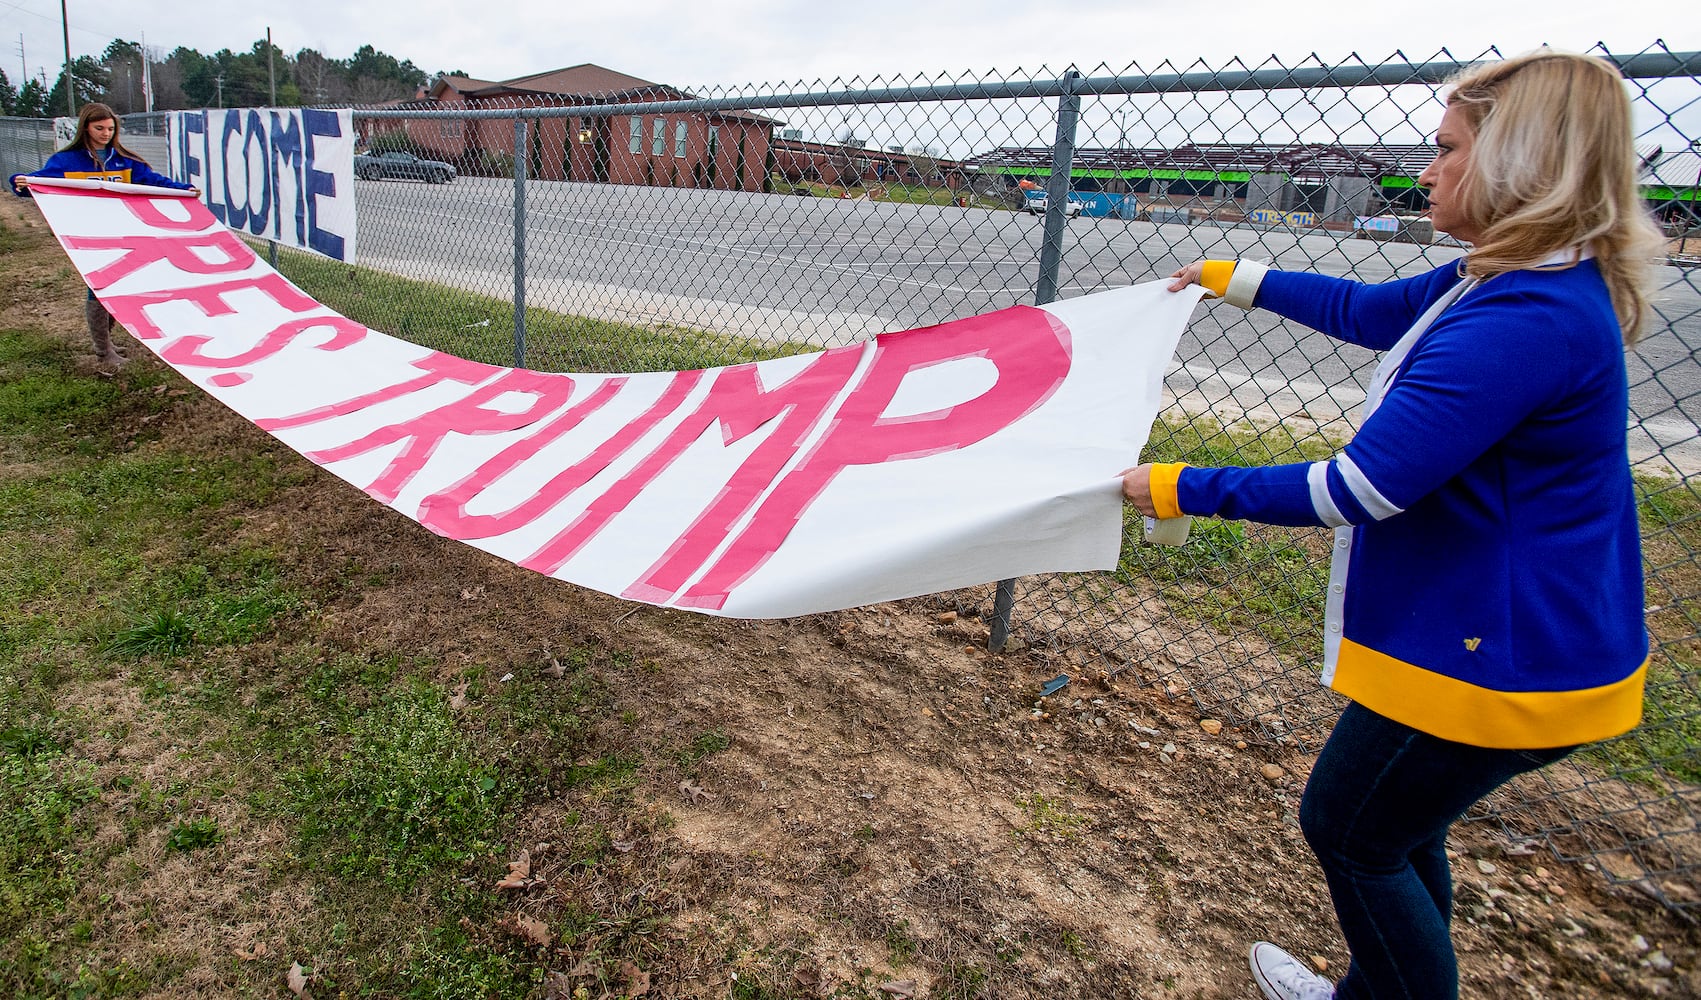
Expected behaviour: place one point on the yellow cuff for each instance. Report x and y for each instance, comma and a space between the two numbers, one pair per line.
1215, 276
1163, 484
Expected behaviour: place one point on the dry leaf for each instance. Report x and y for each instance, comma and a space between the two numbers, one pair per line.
519, 872
623, 846
472, 593
533, 930
807, 978
585, 968
250, 954
694, 792
458, 700
557, 987
555, 669
297, 979
637, 980
899, 987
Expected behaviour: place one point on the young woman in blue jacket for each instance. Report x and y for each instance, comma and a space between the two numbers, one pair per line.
1484, 613
96, 154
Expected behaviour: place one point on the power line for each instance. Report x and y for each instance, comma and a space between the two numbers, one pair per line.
102, 36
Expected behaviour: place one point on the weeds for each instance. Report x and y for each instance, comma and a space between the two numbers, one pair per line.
404, 794
193, 835
41, 792
1051, 818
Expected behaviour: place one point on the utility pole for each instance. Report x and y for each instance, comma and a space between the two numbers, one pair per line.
22, 59
271, 74
147, 76
218, 84
70, 78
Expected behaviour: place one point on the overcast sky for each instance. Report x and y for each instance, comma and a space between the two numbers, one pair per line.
729, 42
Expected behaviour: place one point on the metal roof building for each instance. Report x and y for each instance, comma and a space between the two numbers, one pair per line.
1334, 181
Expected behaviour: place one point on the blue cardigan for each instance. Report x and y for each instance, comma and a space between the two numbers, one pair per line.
1491, 591
77, 163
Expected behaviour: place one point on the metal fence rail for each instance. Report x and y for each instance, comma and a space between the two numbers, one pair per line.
657, 228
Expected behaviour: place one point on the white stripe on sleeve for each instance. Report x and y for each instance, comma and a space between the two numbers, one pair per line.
1366, 494
1317, 479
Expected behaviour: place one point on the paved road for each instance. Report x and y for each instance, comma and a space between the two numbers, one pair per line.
828, 271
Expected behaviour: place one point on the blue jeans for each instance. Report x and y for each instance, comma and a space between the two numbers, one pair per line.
1376, 812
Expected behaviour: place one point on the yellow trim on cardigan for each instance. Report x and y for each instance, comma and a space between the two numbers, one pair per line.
1466, 713
1163, 485
121, 176
1215, 276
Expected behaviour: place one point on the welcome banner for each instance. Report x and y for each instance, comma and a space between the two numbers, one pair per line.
282, 174
919, 462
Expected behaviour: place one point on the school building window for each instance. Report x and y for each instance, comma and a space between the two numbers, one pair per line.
658, 137
679, 139
635, 134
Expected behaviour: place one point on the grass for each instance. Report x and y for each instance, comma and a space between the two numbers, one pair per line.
1231, 574
1049, 817
481, 327
180, 703
897, 193
403, 792
42, 792
1667, 746
143, 605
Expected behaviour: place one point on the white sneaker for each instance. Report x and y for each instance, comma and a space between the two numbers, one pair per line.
1284, 977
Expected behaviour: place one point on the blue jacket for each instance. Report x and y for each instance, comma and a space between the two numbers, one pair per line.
77, 163
1491, 591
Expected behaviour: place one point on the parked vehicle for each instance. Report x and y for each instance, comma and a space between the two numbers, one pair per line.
1038, 201
397, 164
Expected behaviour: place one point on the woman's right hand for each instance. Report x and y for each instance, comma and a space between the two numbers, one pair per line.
1188, 275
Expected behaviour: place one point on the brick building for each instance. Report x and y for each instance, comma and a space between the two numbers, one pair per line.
727, 150
799, 161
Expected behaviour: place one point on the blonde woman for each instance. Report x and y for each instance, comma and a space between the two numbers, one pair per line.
1484, 613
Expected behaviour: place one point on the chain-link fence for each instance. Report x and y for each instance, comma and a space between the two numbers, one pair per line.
585, 221
25, 144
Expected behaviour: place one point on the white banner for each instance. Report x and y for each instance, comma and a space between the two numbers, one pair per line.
922, 461
282, 174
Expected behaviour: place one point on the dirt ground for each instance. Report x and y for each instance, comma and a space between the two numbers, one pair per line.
898, 807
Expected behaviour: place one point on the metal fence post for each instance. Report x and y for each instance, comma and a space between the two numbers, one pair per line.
519, 243
1045, 289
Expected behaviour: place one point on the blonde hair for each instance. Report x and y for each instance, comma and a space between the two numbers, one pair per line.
1553, 165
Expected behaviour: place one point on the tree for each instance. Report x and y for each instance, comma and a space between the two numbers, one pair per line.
92, 83
8, 95
168, 85
926, 166
197, 77
370, 63
123, 62
375, 76
32, 100
317, 78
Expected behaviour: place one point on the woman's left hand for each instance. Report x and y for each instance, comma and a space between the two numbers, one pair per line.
1137, 489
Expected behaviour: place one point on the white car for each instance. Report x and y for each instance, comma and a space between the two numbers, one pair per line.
1038, 202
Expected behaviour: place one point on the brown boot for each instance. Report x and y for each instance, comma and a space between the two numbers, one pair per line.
100, 332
